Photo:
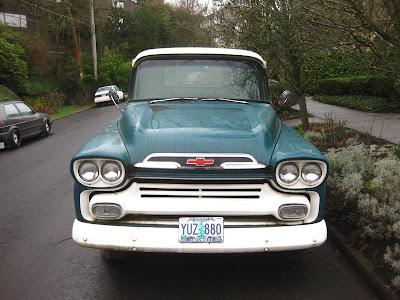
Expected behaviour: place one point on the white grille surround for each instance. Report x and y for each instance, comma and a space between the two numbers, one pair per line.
235, 200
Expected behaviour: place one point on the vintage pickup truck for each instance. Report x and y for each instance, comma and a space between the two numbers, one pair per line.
198, 163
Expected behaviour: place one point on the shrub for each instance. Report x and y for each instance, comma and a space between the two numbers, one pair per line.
363, 103
375, 85
392, 258
6, 94
49, 103
36, 85
348, 168
373, 185
380, 210
13, 57
114, 69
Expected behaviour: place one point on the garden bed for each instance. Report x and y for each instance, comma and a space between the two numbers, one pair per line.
363, 201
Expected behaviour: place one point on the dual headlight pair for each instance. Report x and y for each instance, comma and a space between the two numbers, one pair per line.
99, 172
301, 174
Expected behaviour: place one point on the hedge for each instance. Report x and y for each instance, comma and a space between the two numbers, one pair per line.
375, 85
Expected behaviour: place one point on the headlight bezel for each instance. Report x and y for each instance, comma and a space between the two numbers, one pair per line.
300, 182
100, 181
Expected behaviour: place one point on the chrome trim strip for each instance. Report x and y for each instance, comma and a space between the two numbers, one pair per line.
227, 165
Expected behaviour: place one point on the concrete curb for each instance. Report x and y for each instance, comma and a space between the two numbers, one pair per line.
363, 266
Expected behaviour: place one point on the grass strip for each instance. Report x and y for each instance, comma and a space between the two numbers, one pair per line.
68, 110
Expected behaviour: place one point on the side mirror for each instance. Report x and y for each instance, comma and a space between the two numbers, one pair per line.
287, 99
114, 98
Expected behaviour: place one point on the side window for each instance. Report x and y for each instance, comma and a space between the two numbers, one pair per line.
24, 109
11, 110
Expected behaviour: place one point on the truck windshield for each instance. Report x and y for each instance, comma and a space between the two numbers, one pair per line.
198, 78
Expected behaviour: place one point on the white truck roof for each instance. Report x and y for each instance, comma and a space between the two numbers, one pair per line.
200, 51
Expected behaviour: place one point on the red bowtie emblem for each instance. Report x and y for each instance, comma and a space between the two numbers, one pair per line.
200, 162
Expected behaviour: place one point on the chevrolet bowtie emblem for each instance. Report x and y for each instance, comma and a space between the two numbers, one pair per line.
200, 162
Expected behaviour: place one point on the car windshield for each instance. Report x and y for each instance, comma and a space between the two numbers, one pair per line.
199, 78
104, 89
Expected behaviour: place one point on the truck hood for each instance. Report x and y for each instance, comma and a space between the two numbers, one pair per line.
199, 127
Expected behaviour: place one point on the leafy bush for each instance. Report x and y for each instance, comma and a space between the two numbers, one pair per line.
50, 103
376, 85
370, 186
363, 103
330, 65
392, 258
397, 151
114, 69
347, 169
36, 85
13, 57
6, 94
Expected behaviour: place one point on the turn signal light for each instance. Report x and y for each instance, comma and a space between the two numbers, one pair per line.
106, 210
293, 211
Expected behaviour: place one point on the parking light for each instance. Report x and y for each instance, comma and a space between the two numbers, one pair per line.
106, 210
293, 211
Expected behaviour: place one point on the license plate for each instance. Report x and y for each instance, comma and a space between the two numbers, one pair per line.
2, 146
201, 230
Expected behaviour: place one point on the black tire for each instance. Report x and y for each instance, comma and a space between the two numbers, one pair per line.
15, 138
113, 255
46, 128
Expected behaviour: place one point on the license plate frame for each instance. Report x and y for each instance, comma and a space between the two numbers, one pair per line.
201, 230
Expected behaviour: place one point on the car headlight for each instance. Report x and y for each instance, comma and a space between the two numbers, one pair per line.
300, 174
99, 172
88, 171
111, 171
311, 172
288, 172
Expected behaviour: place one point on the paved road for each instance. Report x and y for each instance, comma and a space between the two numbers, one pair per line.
38, 259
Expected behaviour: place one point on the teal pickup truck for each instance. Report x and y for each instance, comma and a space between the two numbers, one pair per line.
198, 163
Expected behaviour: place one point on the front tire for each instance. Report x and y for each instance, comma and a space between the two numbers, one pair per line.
15, 138
46, 128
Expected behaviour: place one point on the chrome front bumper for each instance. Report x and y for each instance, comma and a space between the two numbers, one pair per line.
165, 239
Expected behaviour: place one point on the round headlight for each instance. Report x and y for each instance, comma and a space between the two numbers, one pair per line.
88, 171
288, 172
111, 171
311, 172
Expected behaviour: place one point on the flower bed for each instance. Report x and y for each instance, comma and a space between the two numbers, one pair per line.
363, 194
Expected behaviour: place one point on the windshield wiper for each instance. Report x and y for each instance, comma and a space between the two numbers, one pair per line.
224, 99
173, 99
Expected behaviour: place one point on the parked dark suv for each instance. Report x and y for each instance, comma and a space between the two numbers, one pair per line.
18, 121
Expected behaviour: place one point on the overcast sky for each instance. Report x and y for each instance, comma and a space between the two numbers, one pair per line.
201, 1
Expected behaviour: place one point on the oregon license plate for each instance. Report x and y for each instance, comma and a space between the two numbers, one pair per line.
201, 230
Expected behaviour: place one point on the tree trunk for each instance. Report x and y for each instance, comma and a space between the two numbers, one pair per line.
303, 112
75, 40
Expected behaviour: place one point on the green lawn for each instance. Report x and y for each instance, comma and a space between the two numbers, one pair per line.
67, 110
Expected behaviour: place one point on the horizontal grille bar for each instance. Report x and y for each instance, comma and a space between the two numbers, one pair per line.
233, 191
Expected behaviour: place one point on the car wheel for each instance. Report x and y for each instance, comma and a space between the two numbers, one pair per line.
46, 128
113, 255
15, 138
